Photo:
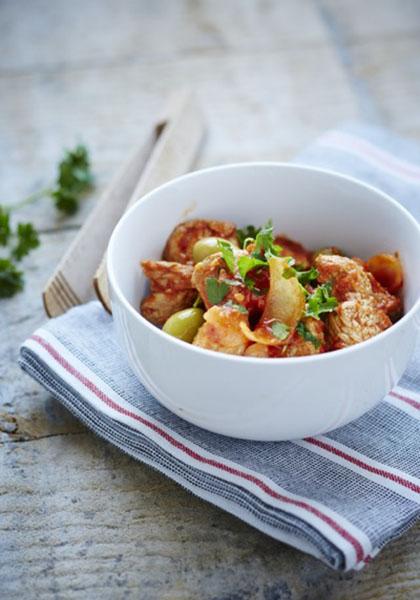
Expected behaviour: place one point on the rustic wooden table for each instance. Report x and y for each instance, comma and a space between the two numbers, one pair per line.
78, 519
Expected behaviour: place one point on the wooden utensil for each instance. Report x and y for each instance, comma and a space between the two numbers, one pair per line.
173, 154
169, 150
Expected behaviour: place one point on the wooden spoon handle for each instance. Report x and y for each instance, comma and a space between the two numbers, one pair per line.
173, 154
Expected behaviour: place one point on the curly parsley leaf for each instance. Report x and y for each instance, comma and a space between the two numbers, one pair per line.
264, 242
320, 301
238, 307
304, 277
11, 279
216, 290
226, 249
5, 230
306, 335
73, 179
247, 263
250, 231
280, 330
27, 240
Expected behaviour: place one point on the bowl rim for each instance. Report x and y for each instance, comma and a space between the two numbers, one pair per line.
148, 197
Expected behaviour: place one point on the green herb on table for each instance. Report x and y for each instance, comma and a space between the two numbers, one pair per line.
74, 178
11, 279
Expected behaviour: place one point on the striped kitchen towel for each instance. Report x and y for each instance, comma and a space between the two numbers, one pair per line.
341, 496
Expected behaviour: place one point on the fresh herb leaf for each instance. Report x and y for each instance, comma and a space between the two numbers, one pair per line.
264, 242
280, 330
65, 201
321, 301
306, 335
247, 263
216, 290
11, 279
5, 230
247, 232
226, 249
73, 179
304, 277
27, 240
239, 307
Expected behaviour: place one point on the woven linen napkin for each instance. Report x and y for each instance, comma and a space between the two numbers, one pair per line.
340, 497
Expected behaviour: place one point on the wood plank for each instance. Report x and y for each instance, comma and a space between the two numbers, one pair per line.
379, 19
94, 523
30, 29
255, 105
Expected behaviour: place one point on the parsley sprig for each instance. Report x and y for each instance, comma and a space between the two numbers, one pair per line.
306, 335
265, 248
320, 301
248, 232
74, 178
19, 243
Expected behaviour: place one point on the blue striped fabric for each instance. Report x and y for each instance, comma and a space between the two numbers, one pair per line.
340, 497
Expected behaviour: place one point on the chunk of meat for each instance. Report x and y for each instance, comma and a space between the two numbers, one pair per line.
295, 250
159, 306
296, 346
222, 331
356, 320
167, 275
181, 241
348, 276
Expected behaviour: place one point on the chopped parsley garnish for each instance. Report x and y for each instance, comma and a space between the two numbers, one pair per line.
303, 277
265, 248
226, 249
320, 301
264, 243
280, 330
238, 307
306, 335
246, 233
247, 263
216, 290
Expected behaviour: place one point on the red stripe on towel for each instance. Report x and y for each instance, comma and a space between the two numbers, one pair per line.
359, 463
192, 453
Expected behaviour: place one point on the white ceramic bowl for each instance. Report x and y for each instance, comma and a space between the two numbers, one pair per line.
253, 398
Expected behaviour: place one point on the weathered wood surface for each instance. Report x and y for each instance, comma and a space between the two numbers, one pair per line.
77, 518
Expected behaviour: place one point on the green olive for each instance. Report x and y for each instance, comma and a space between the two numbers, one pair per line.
184, 324
205, 247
